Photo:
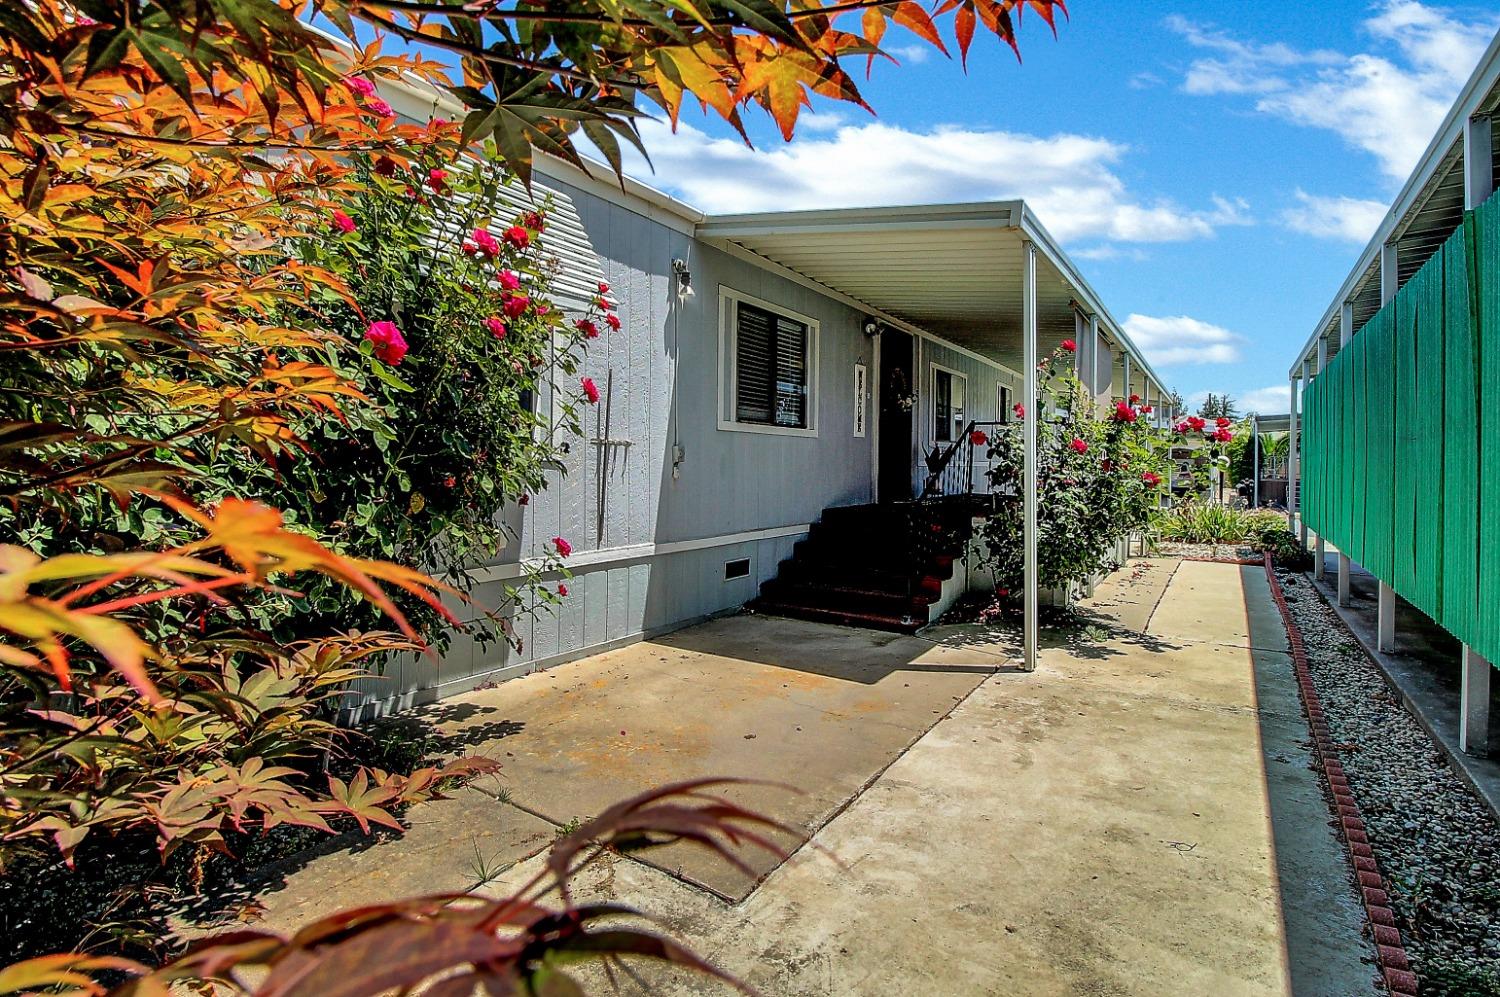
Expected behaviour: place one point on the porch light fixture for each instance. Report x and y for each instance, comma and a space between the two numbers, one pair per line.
684, 278
872, 328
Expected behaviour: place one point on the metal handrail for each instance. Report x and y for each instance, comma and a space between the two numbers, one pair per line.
938, 461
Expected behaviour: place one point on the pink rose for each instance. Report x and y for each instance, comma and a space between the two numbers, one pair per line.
509, 280
380, 107
360, 85
590, 390
437, 180
1019, 410
343, 222
485, 242
496, 326
515, 305
390, 346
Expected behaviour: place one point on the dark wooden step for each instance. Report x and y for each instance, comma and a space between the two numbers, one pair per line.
848, 618
848, 597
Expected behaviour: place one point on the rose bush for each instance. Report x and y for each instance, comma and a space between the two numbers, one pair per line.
1098, 480
455, 339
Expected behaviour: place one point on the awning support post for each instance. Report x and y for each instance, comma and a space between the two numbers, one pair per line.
1291, 460
1474, 704
1029, 461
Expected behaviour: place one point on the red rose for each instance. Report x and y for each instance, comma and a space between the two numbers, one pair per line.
390, 346
385, 166
1019, 410
1123, 412
1001, 593
524, 499
1195, 423
562, 590
977, 438
535, 220
1223, 422
1135, 399
1151, 478
1147, 409
612, 320
1069, 345
343, 222
563, 547
515, 305
437, 180
509, 280
589, 329
1079, 446
496, 326
517, 236
590, 390
450, 481
603, 287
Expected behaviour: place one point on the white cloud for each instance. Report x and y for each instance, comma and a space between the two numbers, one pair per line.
1347, 218
1387, 102
1178, 339
1275, 400
911, 55
1070, 180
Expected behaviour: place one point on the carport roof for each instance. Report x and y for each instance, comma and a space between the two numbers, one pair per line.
953, 270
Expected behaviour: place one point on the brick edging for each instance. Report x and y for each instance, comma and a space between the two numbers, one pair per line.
1390, 953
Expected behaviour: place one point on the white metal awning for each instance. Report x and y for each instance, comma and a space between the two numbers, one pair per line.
952, 270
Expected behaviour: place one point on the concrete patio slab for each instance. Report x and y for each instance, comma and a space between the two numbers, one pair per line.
824, 708
1100, 826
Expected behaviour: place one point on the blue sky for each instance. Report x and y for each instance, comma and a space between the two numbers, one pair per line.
1214, 174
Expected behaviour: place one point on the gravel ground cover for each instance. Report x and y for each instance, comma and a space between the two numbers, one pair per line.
1436, 843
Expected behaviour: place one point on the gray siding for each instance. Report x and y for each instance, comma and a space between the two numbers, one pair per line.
983, 380
617, 504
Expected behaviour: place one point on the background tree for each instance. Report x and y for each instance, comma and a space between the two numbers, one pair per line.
1218, 407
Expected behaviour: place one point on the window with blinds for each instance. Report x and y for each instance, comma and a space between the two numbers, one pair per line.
771, 368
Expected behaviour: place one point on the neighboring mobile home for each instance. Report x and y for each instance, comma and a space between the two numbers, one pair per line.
769, 367
1400, 386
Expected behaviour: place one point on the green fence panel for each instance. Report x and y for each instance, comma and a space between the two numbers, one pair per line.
1460, 535
1485, 285
1402, 439
1403, 408
1425, 423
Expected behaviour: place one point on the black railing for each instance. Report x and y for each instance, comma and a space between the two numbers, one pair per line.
950, 469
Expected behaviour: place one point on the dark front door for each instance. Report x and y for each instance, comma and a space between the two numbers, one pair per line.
898, 395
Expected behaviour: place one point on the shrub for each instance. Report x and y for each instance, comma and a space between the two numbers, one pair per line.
1098, 480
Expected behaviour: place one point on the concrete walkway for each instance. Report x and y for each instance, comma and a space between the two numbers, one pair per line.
1135, 817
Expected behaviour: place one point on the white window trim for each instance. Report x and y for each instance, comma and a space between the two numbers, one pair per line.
932, 373
729, 301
